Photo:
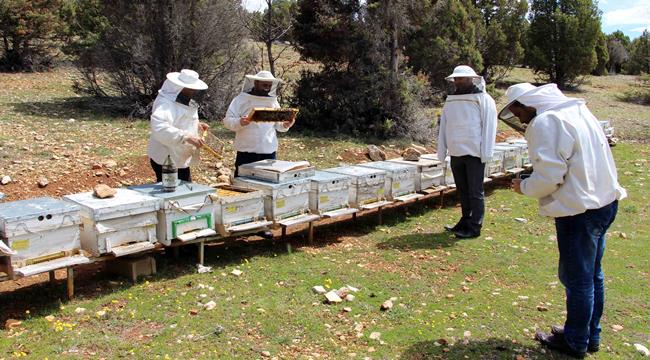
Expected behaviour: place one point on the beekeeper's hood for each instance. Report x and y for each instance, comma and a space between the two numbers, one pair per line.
466, 71
543, 98
176, 82
249, 82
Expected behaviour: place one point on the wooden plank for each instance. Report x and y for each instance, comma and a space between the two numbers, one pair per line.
300, 219
340, 212
70, 282
375, 205
131, 249
408, 197
47, 266
255, 225
196, 235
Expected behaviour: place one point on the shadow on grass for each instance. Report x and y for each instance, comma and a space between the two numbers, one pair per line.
480, 349
76, 108
420, 241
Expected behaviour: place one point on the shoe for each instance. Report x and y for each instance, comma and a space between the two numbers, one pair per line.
266, 234
559, 330
557, 343
460, 225
454, 228
467, 234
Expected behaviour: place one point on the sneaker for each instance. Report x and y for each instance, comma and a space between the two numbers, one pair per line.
559, 330
557, 343
467, 234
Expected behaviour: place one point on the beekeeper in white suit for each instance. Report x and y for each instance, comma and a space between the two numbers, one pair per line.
255, 141
575, 180
467, 134
175, 125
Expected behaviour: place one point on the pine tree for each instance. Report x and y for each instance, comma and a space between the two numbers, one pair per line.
30, 30
562, 39
640, 58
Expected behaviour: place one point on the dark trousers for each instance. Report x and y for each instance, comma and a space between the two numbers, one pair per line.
247, 158
183, 174
581, 241
468, 175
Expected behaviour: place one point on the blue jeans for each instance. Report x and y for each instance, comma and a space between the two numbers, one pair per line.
581, 241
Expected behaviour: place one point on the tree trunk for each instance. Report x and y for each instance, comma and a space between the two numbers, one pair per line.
269, 37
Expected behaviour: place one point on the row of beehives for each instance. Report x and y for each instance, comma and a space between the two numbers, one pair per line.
45, 233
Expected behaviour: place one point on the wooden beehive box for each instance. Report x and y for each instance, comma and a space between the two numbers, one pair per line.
120, 225
184, 214
238, 209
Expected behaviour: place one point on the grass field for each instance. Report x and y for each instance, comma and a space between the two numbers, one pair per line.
470, 299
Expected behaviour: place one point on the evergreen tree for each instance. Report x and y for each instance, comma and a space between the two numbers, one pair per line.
602, 56
444, 36
562, 39
363, 89
502, 26
30, 31
640, 58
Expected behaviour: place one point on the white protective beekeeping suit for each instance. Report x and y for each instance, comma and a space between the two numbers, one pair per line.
256, 137
574, 170
171, 123
468, 122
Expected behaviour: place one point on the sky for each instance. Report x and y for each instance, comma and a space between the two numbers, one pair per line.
629, 16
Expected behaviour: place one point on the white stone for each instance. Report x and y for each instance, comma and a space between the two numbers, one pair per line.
79, 310
210, 305
375, 335
332, 297
642, 350
237, 272
5, 180
318, 290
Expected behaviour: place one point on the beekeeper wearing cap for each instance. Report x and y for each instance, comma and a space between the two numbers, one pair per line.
467, 134
255, 141
575, 180
175, 125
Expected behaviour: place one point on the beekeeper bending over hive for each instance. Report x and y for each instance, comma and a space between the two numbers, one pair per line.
467, 134
255, 141
175, 124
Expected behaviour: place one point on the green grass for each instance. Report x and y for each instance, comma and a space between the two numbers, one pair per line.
444, 288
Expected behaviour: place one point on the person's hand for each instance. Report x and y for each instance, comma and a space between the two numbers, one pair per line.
244, 121
516, 186
203, 127
195, 141
288, 124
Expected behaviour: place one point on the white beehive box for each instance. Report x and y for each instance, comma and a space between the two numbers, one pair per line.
511, 156
607, 128
522, 144
277, 171
400, 179
431, 173
367, 186
329, 194
449, 176
238, 209
37, 231
120, 225
281, 201
184, 214
494, 167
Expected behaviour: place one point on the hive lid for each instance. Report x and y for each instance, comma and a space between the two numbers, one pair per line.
183, 190
32, 208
